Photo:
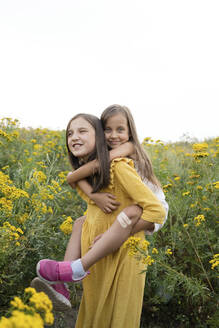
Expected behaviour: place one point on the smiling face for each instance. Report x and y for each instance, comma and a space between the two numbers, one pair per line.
81, 138
116, 130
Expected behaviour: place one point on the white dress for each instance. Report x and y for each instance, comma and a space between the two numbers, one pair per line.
161, 197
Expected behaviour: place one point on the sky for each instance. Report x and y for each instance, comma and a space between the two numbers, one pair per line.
159, 58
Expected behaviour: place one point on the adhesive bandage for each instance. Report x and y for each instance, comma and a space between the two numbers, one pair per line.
124, 220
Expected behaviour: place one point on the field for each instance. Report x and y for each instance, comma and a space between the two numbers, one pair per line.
38, 208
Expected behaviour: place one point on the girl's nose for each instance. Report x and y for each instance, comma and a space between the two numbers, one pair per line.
74, 136
113, 134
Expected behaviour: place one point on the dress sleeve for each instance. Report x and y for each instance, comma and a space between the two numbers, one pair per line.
141, 195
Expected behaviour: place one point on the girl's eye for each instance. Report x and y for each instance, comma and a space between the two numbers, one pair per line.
107, 130
83, 131
120, 129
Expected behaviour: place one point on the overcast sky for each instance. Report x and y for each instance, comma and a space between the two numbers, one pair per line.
160, 58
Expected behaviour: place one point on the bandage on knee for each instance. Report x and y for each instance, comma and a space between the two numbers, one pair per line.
124, 220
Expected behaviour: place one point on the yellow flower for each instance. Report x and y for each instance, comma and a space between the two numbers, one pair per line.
186, 193
177, 178
198, 219
185, 225
200, 146
216, 185
66, 226
30, 290
154, 251
17, 303
199, 187
200, 154
41, 301
147, 260
215, 261
20, 319
168, 251
39, 176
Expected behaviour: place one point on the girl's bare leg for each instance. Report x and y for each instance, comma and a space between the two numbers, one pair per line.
73, 250
112, 239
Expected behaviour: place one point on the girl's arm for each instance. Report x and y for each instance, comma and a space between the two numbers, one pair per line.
105, 201
124, 150
83, 172
142, 225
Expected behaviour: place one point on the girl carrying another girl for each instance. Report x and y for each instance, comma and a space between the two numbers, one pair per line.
113, 291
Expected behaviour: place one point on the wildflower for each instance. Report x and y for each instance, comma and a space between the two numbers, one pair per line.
168, 251
199, 188
30, 290
41, 302
154, 251
199, 219
169, 185
27, 185
200, 155
216, 185
186, 193
194, 176
147, 260
20, 319
200, 146
177, 178
185, 225
17, 303
147, 139
39, 176
215, 261
132, 243
66, 226
144, 245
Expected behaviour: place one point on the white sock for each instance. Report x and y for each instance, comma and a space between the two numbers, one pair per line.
77, 270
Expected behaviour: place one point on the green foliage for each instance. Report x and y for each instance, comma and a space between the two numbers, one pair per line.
34, 201
181, 284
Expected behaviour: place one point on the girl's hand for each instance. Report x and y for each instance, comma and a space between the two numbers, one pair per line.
105, 201
95, 240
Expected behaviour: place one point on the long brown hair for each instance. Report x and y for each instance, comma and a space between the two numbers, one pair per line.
101, 178
143, 162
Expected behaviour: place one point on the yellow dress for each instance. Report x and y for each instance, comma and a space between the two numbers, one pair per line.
113, 292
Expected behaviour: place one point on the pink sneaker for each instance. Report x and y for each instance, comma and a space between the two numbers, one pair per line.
58, 293
52, 271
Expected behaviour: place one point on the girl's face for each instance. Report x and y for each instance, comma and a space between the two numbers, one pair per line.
116, 130
81, 138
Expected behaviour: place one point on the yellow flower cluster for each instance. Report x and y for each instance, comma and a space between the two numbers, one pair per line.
137, 246
147, 260
9, 194
20, 319
199, 219
215, 261
12, 232
7, 136
39, 176
66, 226
34, 312
200, 150
200, 146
